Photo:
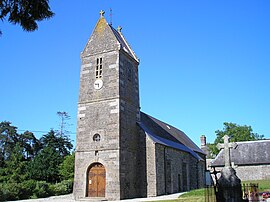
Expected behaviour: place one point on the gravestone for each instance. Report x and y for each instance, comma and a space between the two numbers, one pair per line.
229, 185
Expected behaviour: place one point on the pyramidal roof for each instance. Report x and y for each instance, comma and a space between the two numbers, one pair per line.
106, 38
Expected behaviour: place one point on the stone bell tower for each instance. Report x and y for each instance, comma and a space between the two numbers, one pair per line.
108, 109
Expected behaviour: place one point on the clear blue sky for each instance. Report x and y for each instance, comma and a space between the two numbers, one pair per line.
202, 63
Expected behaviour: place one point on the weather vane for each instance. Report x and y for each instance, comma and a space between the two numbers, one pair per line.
110, 16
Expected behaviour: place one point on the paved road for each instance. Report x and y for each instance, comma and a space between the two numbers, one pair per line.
69, 198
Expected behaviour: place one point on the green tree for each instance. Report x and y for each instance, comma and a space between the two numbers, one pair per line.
236, 133
15, 167
67, 167
16, 150
8, 139
61, 144
26, 13
45, 166
30, 144
28, 164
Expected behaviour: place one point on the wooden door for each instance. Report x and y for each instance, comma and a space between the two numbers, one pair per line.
96, 181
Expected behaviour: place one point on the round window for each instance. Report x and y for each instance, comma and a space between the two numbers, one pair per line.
96, 138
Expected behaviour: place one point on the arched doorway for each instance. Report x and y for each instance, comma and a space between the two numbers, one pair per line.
96, 180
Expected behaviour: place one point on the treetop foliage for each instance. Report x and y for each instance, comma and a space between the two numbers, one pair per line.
237, 133
26, 13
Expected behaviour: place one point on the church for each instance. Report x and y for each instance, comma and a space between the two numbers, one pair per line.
122, 152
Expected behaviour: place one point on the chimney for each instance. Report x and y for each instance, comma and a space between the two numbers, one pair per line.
203, 141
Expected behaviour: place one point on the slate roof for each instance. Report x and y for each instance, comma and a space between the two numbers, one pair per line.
123, 43
168, 135
246, 153
108, 39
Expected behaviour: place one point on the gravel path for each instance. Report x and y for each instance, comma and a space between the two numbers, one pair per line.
69, 198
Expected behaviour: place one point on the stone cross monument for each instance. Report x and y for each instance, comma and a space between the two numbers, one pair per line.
226, 146
229, 185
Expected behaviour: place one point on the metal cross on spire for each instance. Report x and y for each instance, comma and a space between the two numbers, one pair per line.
226, 146
119, 28
102, 12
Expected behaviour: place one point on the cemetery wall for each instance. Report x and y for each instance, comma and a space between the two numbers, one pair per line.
256, 172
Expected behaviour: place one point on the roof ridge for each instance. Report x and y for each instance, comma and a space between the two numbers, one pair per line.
253, 141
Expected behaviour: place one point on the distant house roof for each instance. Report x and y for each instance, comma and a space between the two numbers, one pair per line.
168, 135
246, 153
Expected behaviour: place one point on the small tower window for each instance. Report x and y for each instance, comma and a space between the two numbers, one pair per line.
96, 138
129, 74
99, 68
129, 71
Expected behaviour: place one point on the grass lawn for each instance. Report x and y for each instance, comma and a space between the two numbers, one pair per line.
264, 185
192, 196
198, 195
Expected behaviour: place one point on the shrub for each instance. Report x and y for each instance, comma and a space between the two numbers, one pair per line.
26, 189
41, 190
9, 191
33, 189
64, 187
1, 193
66, 168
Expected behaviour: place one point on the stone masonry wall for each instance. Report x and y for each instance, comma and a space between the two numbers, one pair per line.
201, 174
141, 179
151, 170
110, 78
129, 115
110, 160
111, 112
98, 113
249, 172
256, 172
170, 176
